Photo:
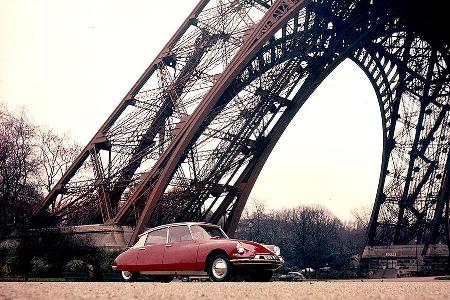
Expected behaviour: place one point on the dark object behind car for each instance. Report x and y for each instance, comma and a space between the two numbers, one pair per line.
292, 276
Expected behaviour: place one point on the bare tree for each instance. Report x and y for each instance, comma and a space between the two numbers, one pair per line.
315, 235
254, 223
56, 153
18, 170
361, 216
31, 161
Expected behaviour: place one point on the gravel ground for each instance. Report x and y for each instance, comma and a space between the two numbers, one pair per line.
208, 290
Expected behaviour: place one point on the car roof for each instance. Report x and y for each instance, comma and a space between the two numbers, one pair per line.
177, 224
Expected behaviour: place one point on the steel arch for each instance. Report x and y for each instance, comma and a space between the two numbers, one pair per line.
274, 66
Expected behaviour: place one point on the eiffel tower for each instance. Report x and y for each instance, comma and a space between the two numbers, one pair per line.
191, 136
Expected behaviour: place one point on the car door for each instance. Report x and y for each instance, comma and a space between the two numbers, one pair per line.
150, 256
181, 251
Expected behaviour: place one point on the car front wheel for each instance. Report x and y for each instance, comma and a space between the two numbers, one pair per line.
129, 276
219, 268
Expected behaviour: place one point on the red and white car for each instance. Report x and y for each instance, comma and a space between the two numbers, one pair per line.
196, 249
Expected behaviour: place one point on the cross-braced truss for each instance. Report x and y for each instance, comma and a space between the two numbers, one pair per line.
190, 138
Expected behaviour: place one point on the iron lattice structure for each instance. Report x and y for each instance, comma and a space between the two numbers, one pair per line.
190, 138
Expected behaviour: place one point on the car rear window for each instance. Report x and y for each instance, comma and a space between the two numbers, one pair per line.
179, 234
157, 237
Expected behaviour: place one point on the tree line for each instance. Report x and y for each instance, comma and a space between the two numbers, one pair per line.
310, 237
32, 159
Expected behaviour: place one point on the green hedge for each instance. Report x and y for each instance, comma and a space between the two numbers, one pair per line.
49, 255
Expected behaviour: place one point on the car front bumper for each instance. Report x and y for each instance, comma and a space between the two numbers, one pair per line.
272, 263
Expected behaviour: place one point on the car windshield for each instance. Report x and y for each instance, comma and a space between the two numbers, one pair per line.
207, 232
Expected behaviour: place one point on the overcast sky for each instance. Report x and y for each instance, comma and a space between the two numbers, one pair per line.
71, 62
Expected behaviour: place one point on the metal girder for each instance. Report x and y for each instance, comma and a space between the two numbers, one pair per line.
141, 127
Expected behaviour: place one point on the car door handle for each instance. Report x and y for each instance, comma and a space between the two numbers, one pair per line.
142, 248
168, 245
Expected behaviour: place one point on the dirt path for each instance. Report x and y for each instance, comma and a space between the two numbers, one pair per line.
232, 291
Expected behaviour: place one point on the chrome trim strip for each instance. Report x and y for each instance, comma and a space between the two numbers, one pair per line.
192, 273
255, 261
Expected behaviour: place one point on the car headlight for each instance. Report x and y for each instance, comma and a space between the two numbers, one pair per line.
277, 250
240, 248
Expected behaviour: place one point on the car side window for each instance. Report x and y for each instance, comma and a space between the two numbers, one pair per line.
157, 237
179, 234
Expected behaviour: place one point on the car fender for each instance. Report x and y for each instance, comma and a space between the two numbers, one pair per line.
206, 248
126, 261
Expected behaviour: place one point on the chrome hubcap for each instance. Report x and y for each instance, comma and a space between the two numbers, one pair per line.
219, 268
126, 275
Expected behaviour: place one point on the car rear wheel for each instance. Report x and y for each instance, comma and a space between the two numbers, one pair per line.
219, 268
129, 276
